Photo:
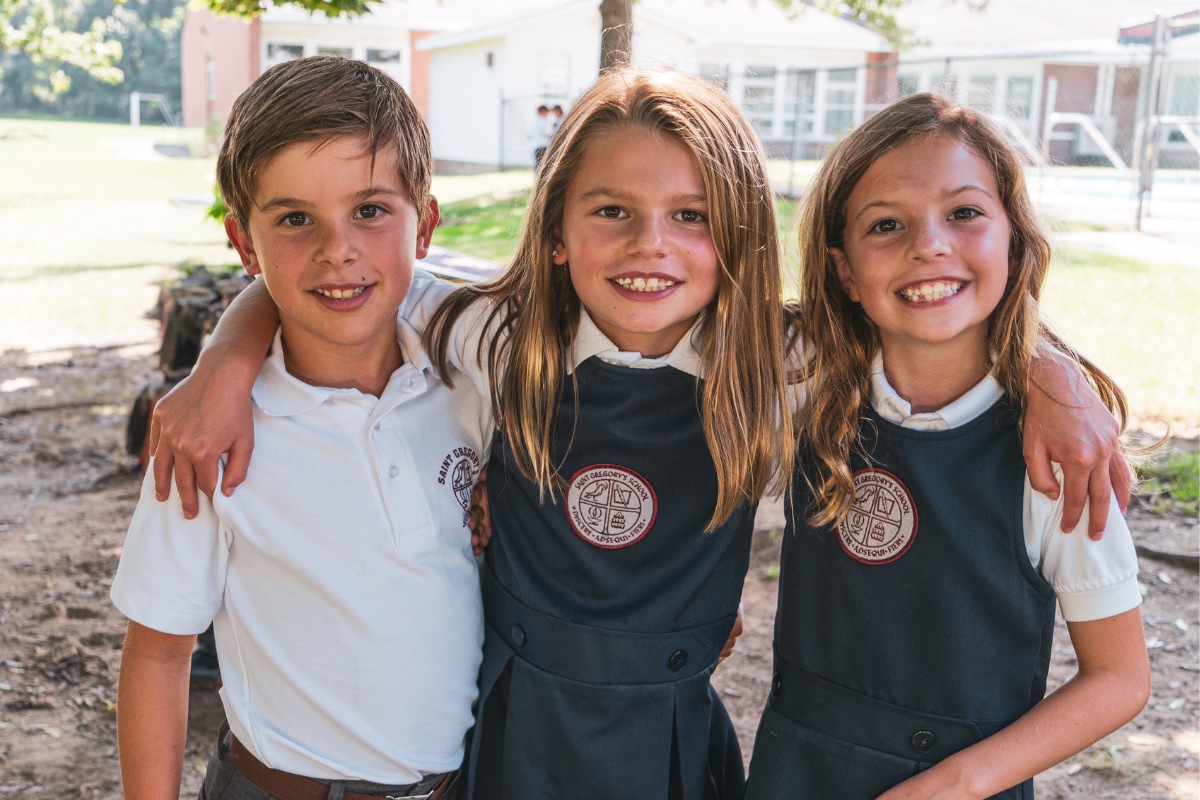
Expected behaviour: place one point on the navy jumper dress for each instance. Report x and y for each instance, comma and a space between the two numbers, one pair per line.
607, 605
915, 629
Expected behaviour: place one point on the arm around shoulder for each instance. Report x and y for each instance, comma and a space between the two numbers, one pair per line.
1067, 423
208, 413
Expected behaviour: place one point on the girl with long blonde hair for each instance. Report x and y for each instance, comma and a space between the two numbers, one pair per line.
918, 586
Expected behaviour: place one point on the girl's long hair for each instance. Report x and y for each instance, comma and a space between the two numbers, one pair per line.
841, 341
535, 311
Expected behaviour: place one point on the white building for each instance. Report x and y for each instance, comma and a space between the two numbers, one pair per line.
487, 81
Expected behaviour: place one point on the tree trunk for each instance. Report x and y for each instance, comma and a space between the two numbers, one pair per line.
616, 34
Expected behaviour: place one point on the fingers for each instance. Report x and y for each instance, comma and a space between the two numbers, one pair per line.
237, 466
164, 462
1041, 471
152, 438
1099, 497
1122, 477
185, 482
1075, 493
738, 630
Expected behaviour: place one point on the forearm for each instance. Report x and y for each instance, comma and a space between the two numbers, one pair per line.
152, 703
1111, 687
1079, 714
240, 342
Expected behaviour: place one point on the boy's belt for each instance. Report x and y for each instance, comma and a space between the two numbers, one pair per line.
287, 786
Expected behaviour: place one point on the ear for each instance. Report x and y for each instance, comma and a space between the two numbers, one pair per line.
560, 248
241, 242
843, 272
425, 228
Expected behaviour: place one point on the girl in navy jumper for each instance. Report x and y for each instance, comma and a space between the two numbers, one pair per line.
918, 586
638, 332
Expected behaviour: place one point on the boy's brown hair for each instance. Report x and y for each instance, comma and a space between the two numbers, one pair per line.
316, 99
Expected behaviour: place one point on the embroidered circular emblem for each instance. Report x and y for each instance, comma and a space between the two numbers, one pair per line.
461, 479
610, 506
882, 521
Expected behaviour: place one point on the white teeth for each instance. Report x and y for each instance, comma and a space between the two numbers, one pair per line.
928, 292
645, 284
341, 294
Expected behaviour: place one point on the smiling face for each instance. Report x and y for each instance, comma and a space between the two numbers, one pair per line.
334, 237
636, 239
926, 250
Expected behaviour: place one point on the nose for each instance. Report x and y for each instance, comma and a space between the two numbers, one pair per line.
649, 236
336, 246
929, 240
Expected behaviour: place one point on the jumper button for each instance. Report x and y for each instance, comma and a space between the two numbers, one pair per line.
923, 741
776, 683
677, 660
518, 635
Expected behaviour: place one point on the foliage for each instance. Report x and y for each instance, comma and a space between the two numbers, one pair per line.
1173, 481
52, 34
144, 34
330, 8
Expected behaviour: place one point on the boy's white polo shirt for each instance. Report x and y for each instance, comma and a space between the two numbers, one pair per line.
339, 575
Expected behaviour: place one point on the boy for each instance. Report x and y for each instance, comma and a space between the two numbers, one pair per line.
341, 579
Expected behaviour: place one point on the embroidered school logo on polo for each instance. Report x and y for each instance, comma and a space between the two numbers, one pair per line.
458, 469
883, 520
610, 506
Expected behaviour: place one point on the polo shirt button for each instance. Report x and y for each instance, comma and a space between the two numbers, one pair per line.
378, 425
394, 471
677, 660
409, 383
776, 683
923, 741
518, 635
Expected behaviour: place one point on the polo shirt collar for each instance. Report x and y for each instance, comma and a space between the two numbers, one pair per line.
279, 394
894, 408
591, 341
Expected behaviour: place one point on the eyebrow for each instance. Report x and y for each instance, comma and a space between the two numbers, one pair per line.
603, 192
970, 187
358, 197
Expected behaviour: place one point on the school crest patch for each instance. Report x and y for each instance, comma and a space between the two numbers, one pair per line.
883, 520
610, 506
458, 469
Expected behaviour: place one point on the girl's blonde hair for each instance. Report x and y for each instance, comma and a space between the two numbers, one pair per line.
841, 341
742, 398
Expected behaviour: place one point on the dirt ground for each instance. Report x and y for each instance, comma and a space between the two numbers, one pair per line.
66, 493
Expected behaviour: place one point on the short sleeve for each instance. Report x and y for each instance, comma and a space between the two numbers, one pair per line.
1092, 580
171, 576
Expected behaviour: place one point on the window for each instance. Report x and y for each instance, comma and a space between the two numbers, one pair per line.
344, 52
841, 91
758, 99
981, 92
278, 53
716, 74
908, 83
799, 91
1018, 99
383, 56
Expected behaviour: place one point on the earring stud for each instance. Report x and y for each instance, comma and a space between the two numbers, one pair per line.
554, 253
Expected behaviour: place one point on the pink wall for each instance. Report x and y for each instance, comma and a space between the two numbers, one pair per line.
231, 45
